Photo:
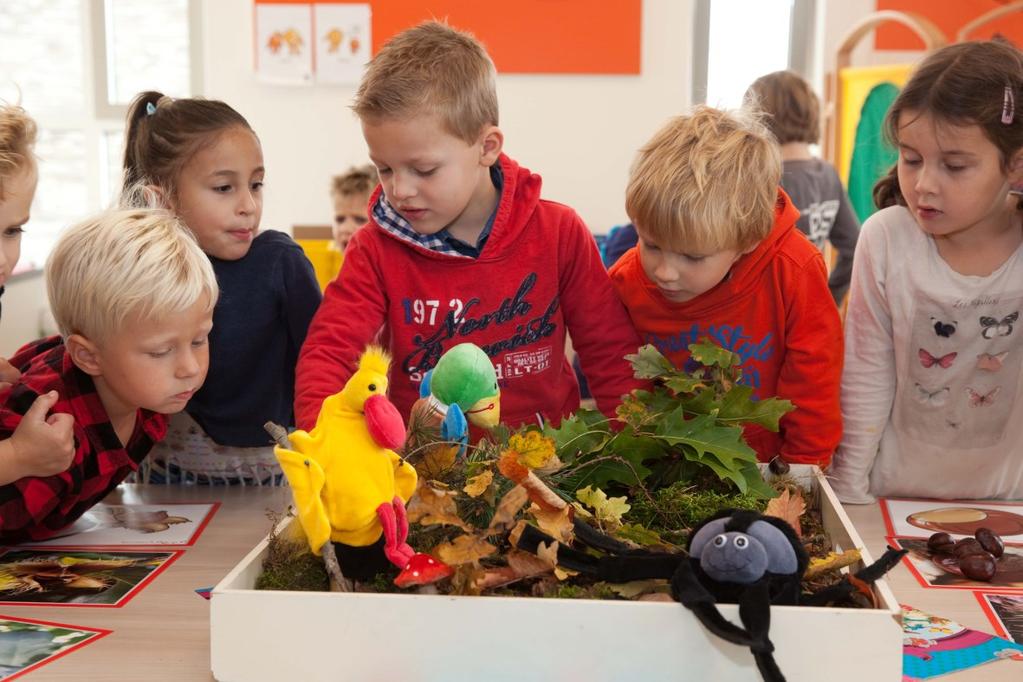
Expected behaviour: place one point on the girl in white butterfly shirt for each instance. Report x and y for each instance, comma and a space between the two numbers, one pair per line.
934, 344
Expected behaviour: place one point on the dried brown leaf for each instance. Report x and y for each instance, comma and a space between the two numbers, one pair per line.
435, 506
507, 509
788, 508
635, 588
477, 485
437, 461
557, 524
463, 550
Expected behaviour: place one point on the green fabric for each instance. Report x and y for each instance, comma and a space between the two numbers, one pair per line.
463, 375
872, 155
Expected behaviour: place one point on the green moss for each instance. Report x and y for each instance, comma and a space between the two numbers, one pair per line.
289, 565
674, 510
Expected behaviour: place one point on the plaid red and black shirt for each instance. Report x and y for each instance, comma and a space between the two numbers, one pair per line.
34, 508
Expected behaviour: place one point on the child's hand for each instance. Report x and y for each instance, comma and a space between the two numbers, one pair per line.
43, 445
8, 374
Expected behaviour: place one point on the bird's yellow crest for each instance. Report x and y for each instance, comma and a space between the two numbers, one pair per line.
375, 359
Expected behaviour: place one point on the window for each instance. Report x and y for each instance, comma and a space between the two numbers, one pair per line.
75, 65
737, 41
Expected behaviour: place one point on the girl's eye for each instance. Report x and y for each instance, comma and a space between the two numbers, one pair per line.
360, 220
694, 259
425, 173
199, 343
256, 186
910, 162
383, 171
954, 169
223, 189
651, 247
159, 353
14, 232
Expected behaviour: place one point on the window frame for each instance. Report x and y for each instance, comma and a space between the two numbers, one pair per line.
98, 21
801, 43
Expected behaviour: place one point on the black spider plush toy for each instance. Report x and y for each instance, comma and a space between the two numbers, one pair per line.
736, 556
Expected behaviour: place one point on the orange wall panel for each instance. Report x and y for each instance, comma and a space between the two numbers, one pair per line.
528, 36
949, 16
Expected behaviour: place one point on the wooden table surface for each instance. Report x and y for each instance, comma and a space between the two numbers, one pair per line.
957, 605
163, 632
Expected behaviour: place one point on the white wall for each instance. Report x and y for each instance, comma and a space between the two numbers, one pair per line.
579, 132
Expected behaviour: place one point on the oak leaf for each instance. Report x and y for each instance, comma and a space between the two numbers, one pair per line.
464, 549
606, 509
477, 485
437, 460
557, 524
435, 506
788, 508
507, 509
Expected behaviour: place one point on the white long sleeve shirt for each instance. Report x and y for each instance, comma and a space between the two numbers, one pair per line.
930, 389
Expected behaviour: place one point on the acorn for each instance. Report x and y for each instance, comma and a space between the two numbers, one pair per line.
978, 566
778, 466
967, 546
990, 541
941, 542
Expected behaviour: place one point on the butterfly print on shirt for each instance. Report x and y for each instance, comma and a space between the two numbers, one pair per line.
991, 327
982, 399
933, 398
928, 360
991, 363
944, 329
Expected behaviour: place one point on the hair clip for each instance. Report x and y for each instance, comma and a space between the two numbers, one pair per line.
1008, 106
151, 109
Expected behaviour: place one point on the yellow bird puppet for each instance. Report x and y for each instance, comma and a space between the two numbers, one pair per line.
349, 485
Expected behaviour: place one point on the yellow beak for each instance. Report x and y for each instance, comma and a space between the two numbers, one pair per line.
486, 413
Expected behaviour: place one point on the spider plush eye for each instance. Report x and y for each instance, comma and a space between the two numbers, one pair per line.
741, 542
372, 387
720, 541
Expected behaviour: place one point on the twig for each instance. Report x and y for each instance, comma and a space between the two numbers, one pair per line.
278, 433
338, 581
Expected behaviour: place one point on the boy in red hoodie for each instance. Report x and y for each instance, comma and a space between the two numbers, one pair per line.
720, 258
460, 248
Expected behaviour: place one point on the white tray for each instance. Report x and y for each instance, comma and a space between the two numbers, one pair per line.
271, 635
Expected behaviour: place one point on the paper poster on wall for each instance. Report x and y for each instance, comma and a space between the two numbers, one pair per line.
284, 43
343, 41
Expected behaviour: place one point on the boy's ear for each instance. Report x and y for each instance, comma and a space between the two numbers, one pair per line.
492, 143
85, 354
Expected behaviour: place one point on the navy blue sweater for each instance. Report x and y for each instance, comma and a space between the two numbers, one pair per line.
267, 300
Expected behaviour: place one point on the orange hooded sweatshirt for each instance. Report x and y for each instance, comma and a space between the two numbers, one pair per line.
775, 310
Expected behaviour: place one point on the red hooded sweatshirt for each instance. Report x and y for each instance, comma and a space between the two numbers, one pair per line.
538, 277
775, 310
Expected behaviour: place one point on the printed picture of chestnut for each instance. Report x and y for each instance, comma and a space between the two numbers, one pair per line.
967, 520
975, 558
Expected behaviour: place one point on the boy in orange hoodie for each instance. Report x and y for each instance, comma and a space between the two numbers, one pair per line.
720, 258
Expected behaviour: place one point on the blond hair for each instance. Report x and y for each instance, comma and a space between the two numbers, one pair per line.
790, 106
125, 262
355, 181
431, 69
17, 137
706, 182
